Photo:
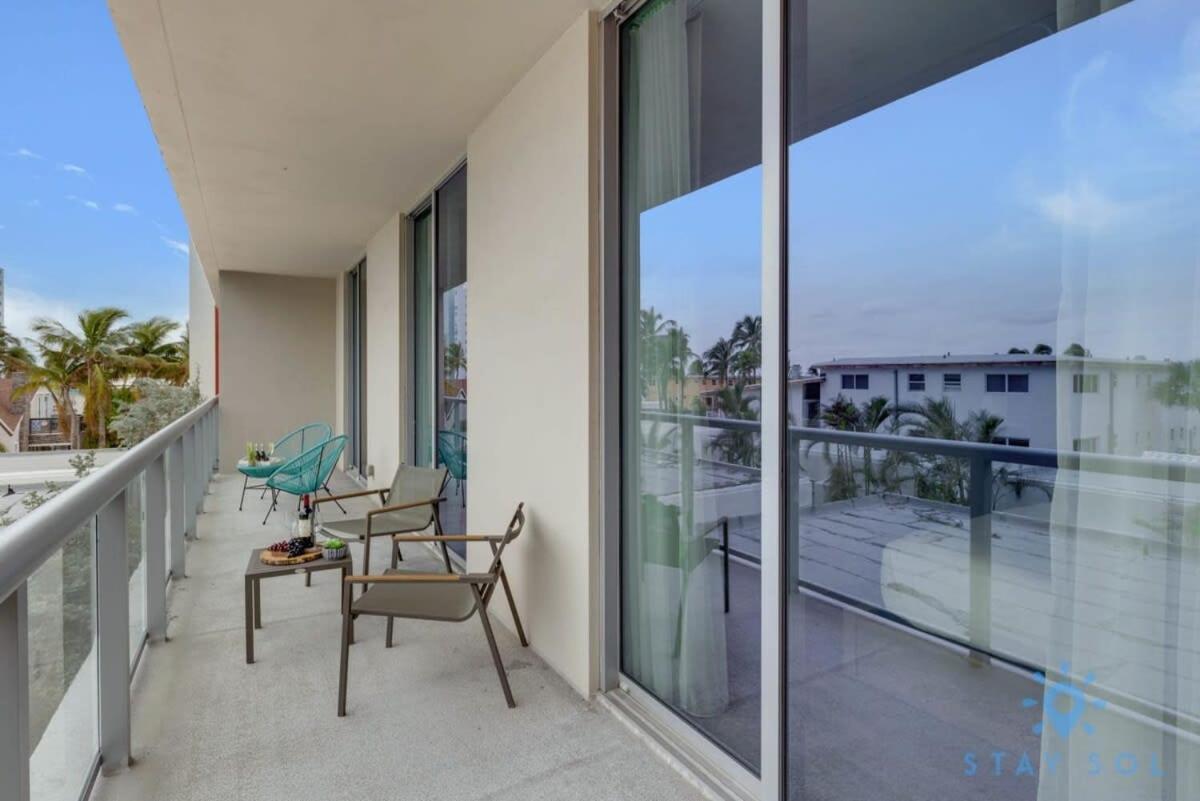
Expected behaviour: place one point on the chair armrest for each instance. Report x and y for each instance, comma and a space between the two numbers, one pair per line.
343, 496
447, 537
400, 506
424, 578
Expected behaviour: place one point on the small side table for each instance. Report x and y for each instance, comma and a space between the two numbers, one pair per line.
256, 571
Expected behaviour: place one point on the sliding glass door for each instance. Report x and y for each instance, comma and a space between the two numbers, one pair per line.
355, 338
439, 342
988, 373
423, 381
691, 327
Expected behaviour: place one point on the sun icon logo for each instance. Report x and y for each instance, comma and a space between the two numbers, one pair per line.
1063, 718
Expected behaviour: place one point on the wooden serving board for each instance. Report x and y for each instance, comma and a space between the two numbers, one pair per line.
282, 559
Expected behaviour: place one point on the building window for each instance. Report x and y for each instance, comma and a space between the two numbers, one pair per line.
1085, 444
1003, 382
952, 382
1015, 442
916, 382
856, 381
1086, 383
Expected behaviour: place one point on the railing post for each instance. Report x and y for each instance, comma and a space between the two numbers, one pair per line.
14, 697
791, 476
216, 415
112, 633
176, 520
189, 482
979, 495
154, 505
687, 478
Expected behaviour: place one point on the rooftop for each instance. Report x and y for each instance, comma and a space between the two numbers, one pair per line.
979, 359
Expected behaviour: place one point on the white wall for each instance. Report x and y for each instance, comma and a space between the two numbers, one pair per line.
202, 305
278, 335
386, 396
532, 321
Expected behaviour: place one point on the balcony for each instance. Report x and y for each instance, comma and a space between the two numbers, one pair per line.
426, 718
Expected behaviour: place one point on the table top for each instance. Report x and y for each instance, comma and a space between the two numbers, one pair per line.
272, 462
256, 569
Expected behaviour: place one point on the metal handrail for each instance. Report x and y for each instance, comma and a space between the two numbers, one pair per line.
1134, 466
30, 541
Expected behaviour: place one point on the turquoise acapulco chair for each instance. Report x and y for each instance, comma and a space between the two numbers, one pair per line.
290, 446
307, 473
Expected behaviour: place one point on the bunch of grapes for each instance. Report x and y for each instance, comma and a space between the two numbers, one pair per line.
293, 547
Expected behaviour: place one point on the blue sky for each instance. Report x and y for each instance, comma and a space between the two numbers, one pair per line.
88, 216
1051, 195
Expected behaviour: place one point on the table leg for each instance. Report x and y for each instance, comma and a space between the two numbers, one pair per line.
257, 604
249, 621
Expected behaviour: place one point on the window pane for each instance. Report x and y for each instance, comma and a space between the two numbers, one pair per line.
422, 340
1008, 194
451, 259
62, 671
691, 263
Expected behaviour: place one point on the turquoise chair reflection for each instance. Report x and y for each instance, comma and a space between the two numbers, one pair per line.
307, 473
290, 446
452, 452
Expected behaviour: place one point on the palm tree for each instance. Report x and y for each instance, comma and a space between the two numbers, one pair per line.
718, 360
14, 357
945, 478
737, 446
153, 353
747, 341
675, 354
55, 374
455, 359
97, 358
651, 326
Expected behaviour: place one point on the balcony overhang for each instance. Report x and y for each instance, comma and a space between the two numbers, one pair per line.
293, 131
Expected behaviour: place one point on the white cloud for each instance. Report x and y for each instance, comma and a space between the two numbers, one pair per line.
25, 153
91, 204
22, 307
1178, 103
73, 168
124, 208
175, 244
1083, 206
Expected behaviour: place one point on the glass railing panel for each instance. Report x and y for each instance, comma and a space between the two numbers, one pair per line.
136, 545
62, 671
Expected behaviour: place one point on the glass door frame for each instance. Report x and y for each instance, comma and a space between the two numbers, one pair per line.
426, 206
656, 719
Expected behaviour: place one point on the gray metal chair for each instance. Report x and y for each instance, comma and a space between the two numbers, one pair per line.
444, 596
409, 505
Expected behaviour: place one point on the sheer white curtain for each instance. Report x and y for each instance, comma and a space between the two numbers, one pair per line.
673, 626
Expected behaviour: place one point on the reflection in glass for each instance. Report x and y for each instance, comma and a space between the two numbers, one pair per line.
451, 257
422, 339
993, 270
691, 363
62, 670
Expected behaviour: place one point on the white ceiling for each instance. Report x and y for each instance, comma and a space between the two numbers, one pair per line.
293, 129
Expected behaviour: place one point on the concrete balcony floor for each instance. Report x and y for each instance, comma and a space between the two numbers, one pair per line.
426, 719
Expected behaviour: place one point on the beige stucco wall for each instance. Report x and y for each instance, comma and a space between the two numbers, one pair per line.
531, 321
278, 335
386, 400
201, 327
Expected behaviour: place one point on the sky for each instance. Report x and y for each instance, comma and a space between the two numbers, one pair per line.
1051, 195
88, 216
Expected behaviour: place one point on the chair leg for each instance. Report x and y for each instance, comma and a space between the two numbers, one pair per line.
512, 607
481, 608
330, 494
391, 621
271, 508
245, 483
345, 656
